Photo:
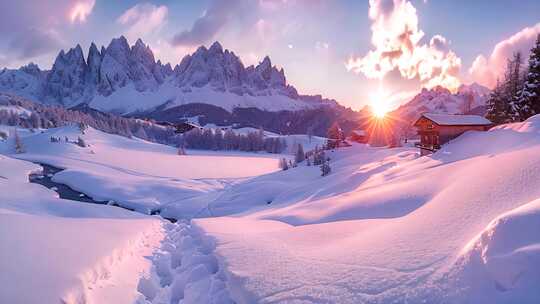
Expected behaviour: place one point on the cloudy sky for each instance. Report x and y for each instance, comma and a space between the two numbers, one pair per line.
344, 49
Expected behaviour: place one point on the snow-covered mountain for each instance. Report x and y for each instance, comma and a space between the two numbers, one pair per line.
126, 79
468, 98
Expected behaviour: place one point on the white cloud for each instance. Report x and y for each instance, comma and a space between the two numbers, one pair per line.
142, 19
486, 70
80, 10
397, 40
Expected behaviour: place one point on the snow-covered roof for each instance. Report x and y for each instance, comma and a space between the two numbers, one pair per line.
359, 132
457, 120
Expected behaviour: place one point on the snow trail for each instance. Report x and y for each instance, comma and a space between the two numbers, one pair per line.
185, 270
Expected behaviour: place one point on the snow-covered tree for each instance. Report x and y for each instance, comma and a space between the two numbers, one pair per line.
19, 148
334, 135
496, 105
527, 99
325, 168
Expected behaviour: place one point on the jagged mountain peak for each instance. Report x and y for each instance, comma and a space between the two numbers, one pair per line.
120, 69
216, 48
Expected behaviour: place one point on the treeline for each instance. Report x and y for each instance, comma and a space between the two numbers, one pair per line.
216, 139
47, 116
517, 96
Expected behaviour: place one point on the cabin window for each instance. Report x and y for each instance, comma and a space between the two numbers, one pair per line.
429, 126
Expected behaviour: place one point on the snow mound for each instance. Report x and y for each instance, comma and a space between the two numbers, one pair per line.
504, 259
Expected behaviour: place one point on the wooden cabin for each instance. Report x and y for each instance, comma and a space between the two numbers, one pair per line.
359, 136
437, 129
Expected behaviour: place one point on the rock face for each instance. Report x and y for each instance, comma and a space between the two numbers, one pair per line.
120, 70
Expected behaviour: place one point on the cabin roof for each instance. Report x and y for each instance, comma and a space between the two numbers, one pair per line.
359, 132
456, 120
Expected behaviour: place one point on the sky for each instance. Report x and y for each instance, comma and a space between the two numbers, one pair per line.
349, 50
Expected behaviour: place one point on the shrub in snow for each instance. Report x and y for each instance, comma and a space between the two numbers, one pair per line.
3, 135
81, 143
325, 168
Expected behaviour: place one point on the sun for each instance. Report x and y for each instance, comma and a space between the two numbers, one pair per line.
379, 103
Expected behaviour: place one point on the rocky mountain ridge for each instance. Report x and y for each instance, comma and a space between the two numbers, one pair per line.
120, 71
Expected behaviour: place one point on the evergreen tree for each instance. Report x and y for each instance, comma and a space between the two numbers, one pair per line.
496, 105
325, 168
511, 86
300, 156
19, 148
283, 164
527, 100
334, 135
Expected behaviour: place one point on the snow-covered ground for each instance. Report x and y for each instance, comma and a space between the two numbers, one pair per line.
389, 227
135, 173
386, 226
57, 250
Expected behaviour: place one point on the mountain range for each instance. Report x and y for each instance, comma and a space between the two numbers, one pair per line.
127, 79
211, 85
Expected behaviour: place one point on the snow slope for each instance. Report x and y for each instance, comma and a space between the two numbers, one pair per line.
387, 226
56, 250
136, 173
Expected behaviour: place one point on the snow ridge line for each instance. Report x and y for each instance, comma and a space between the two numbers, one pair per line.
185, 270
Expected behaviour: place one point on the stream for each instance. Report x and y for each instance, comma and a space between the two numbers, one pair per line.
44, 178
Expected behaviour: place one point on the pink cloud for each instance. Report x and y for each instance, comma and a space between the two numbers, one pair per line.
143, 18
486, 70
397, 39
80, 10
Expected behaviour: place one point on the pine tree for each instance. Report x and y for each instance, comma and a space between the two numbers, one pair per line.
19, 148
283, 164
325, 168
496, 105
527, 100
512, 85
334, 135
300, 156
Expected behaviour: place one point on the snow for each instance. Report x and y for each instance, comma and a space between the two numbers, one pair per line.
506, 257
136, 173
57, 250
128, 100
457, 120
387, 226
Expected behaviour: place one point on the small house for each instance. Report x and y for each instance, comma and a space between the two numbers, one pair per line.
437, 129
359, 136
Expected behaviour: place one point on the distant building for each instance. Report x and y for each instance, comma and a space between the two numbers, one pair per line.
437, 129
359, 136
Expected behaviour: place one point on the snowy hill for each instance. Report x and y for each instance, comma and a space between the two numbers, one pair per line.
126, 79
441, 100
386, 226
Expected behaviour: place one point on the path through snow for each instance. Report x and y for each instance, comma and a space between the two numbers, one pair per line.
185, 270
